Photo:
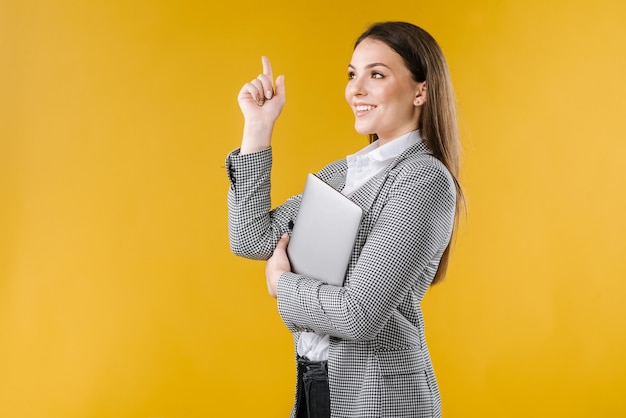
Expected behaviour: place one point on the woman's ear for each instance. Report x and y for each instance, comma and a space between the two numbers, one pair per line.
420, 94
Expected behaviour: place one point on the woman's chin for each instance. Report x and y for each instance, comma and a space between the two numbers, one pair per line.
362, 130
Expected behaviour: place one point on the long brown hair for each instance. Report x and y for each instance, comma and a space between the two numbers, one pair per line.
438, 122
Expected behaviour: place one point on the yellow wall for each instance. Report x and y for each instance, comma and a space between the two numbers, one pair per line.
118, 294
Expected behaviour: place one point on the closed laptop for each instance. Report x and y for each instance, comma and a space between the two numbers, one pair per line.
324, 233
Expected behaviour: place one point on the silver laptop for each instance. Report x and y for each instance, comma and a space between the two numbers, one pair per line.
324, 233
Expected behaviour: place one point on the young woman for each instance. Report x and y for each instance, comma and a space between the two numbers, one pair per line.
360, 348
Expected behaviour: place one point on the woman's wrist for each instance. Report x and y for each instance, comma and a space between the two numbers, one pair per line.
256, 137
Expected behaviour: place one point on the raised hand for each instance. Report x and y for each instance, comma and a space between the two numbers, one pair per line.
261, 104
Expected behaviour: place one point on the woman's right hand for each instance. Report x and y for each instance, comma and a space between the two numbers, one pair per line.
261, 105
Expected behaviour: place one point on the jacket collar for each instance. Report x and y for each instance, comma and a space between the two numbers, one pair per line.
366, 194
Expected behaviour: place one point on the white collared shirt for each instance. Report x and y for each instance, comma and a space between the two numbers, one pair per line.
362, 166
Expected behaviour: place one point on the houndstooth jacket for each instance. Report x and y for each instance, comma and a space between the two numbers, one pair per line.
379, 364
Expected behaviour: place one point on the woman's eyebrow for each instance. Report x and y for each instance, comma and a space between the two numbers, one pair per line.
372, 65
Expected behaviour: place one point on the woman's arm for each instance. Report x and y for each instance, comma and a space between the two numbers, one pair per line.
253, 228
411, 232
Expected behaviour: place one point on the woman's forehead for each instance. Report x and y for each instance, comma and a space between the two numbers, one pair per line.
372, 51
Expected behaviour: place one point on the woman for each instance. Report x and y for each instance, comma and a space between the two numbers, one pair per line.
361, 350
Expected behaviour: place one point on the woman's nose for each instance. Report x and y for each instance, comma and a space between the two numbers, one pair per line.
357, 87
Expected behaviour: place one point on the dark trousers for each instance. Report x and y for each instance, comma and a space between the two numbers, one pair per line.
315, 396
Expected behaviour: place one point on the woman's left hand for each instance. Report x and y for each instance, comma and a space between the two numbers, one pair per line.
277, 265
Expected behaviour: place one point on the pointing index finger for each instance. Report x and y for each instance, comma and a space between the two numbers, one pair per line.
267, 67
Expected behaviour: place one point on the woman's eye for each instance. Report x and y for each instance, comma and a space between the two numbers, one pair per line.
351, 75
377, 75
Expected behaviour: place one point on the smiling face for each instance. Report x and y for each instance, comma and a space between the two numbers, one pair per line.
382, 93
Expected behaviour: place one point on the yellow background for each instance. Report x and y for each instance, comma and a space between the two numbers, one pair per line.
118, 294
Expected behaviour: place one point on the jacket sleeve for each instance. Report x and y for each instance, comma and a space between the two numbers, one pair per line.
401, 253
253, 228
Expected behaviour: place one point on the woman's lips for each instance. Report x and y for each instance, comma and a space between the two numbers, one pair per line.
362, 109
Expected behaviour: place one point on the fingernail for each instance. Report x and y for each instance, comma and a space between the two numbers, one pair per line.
260, 101
268, 94
285, 235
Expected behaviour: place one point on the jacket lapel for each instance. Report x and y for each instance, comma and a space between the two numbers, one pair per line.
365, 195
338, 178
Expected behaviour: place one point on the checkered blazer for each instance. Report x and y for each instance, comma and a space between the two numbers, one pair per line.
379, 364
